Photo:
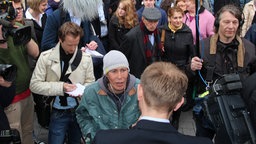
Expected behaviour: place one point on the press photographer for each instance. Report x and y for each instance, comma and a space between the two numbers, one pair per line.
8, 14
20, 111
222, 53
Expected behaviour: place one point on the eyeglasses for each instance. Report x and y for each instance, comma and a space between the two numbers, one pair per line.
18, 9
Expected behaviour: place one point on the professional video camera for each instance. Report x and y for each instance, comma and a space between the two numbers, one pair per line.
21, 35
8, 72
10, 136
227, 111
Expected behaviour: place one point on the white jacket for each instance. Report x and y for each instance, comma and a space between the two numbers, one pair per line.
47, 73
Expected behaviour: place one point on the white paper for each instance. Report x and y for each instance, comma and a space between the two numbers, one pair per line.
94, 53
78, 91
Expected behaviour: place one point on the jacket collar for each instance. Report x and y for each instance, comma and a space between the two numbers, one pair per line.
184, 28
55, 58
131, 90
240, 52
55, 54
155, 126
250, 3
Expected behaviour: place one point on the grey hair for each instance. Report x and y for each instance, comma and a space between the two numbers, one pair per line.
85, 9
232, 9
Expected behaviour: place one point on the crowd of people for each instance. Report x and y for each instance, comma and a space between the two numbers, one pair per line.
156, 57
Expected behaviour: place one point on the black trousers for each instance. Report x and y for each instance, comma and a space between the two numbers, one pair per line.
4, 123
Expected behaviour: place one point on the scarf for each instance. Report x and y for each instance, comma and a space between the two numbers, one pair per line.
174, 29
152, 53
65, 58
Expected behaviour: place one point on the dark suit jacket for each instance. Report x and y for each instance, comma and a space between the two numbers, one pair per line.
133, 49
148, 132
52, 25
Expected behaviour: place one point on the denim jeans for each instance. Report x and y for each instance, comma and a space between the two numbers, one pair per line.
63, 123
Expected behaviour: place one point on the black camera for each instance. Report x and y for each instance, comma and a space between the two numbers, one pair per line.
8, 72
227, 111
21, 35
228, 84
10, 136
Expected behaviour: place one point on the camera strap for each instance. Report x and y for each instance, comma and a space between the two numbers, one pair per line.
77, 60
212, 59
210, 69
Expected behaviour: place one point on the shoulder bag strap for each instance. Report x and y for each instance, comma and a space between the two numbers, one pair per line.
77, 60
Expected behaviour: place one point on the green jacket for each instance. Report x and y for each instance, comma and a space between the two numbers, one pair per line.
98, 111
17, 55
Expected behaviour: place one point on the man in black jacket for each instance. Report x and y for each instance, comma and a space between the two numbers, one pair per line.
159, 94
224, 53
142, 45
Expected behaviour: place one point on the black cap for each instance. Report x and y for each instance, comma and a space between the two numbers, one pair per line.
151, 14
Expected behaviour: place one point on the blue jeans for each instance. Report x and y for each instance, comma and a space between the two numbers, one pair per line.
63, 123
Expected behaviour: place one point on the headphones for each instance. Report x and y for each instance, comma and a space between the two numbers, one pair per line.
235, 10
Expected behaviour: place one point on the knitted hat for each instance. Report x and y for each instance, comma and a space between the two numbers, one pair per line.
151, 14
114, 59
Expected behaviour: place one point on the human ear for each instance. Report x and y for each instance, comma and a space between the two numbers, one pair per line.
179, 104
139, 92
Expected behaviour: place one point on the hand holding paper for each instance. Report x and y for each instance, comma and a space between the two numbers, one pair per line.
78, 91
94, 53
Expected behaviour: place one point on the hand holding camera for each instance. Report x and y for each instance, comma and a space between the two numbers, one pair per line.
4, 83
21, 35
3, 43
7, 74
